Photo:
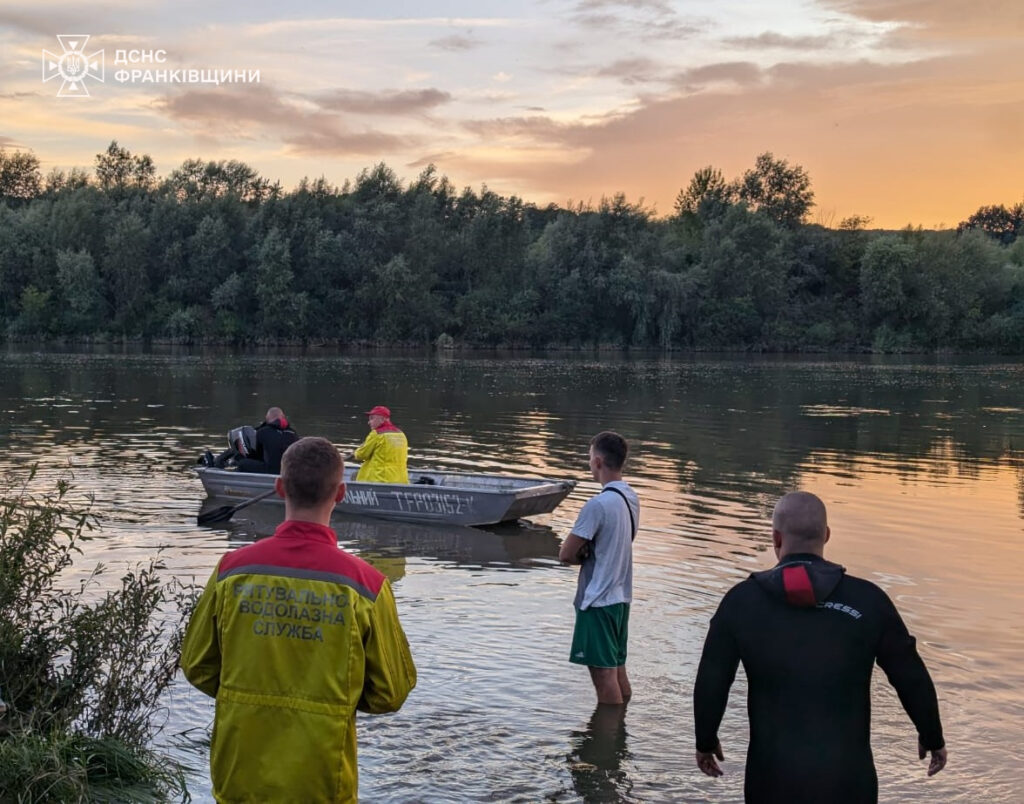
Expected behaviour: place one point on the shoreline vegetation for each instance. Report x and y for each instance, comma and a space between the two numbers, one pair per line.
81, 669
216, 255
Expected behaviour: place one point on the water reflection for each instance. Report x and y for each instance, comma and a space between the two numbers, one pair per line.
511, 545
598, 754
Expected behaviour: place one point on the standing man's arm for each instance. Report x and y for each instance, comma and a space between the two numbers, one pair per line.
898, 657
390, 672
573, 550
717, 670
578, 545
200, 649
365, 450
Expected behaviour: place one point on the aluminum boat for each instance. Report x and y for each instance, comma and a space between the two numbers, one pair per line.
431, 496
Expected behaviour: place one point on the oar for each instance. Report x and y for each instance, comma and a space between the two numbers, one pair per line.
225, 512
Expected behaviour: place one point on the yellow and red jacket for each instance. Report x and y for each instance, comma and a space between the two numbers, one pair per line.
383, 454
291, 636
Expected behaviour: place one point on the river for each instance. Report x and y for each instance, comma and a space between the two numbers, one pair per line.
921, 464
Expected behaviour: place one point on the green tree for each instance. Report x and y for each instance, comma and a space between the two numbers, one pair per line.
885, 269
781, 191
744, 263
707, 194
19, 175
125, 272
35, 313
81, 292
118, 169
282, 310
1004, 224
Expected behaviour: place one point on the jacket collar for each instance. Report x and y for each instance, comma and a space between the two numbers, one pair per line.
298, 529
800, 558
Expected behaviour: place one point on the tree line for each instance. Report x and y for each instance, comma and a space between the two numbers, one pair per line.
216, 253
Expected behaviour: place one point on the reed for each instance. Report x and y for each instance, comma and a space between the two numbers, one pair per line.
81, 669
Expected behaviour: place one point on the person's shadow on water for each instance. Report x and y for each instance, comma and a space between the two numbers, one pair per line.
597, 754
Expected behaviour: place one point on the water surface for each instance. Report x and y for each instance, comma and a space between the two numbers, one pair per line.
919, 463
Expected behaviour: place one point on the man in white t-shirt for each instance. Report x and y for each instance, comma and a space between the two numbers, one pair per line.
601, 542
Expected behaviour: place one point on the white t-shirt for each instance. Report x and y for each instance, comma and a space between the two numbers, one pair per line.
606, 577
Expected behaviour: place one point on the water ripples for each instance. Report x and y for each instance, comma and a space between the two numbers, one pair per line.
920, 465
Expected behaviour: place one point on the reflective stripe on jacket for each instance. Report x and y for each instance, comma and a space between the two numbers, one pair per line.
383, 454
291, 636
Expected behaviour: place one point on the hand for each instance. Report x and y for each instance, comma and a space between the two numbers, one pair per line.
938, 758
706, 760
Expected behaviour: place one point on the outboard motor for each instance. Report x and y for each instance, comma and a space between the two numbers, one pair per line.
243, 439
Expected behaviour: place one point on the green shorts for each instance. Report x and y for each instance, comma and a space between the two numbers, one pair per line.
599, 638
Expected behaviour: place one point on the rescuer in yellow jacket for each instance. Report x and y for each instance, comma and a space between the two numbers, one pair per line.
385, 451
291, 636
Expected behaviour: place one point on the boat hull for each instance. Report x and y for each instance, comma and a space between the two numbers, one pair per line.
451, 498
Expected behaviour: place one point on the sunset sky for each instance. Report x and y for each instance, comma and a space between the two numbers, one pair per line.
910, 112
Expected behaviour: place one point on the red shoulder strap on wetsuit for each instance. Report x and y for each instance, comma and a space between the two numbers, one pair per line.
797, 583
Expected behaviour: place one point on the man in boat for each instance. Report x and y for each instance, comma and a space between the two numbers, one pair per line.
601, 542
259, 449
808, 635
384, 453
291, 636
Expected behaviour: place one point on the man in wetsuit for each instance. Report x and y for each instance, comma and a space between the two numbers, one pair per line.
273, 436
808, 635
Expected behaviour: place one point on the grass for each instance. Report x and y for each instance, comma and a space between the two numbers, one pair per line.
72, 768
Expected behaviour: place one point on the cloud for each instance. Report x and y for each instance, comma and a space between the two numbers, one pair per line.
348, 143
431, 159
456, 43
661, 6
632, 71
985, 19
391, 102
243, 112
737, 72
865, 131
537, 129
771, 39
349, 24
51, 19
635, 20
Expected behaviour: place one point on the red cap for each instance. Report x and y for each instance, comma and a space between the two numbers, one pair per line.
380, 410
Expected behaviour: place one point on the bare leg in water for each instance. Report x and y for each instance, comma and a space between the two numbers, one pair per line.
611, 684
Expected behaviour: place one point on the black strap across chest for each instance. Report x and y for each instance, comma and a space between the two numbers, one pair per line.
629, 510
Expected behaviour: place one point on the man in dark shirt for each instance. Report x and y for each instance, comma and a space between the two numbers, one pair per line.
808, 635
272, 437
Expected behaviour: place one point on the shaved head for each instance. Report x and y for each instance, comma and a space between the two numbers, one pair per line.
800, 517
273, 413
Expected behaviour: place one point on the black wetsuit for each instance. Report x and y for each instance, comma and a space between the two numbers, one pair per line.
808, 636
272, 439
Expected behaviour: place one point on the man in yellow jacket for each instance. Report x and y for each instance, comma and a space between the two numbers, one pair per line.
385, 451
291, 636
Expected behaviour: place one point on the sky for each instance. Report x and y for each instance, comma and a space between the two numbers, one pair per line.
908, 112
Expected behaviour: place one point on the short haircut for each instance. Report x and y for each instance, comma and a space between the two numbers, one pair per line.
311, 471
611, 447
801, 515
273, 413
